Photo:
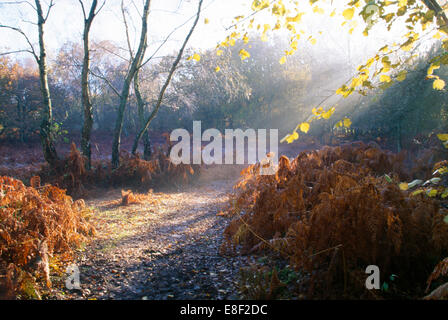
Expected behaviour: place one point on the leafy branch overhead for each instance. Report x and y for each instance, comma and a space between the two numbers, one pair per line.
422, 20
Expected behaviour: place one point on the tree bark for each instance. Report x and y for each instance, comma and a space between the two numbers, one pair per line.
167, 82
86, 102
141, 117
135, 64
46, 130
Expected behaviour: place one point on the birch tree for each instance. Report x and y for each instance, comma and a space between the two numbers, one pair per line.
86, 101
40, 55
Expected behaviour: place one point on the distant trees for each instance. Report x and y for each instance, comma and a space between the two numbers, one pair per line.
98, 85
40, 55
251, 93
20, 101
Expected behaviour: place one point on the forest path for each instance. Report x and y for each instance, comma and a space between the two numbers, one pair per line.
164, 248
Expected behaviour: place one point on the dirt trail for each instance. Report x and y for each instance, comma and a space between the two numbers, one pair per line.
165, 248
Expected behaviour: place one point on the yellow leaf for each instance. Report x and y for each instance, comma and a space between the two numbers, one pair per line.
385, 78
431, 69
259, 4
407, 47
282, 60
196, 57
318, 111
295, 19
313, 41
206, 21
318, 10
356, 82
219, 52
217, 69
442, 136
266, 27
244, 54
403, 186
290, 138
347, 122
438, 84
304, 127
294, 45
385, 49
328, 114
416, 192
348, 13
431, 192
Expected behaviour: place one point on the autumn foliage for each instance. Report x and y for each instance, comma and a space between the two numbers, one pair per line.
332, 213
37, 223
157, 172
71, 173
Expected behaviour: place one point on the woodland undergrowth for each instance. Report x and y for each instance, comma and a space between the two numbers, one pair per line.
133, 172
40, 226
333, 212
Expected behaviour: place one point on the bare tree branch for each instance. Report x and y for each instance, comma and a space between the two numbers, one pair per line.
105, 80
165, 40
32, 51
167, 81
128, 38
16, 51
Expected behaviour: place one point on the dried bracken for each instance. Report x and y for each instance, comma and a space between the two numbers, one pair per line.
440, 271
157, 172
36, 223
70, 173
333, 213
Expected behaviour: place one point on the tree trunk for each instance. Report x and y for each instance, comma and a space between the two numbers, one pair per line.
141, 117
167, 82
87, 104
135, 64
46, 130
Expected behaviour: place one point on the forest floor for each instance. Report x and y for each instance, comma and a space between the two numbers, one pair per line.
164, 248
